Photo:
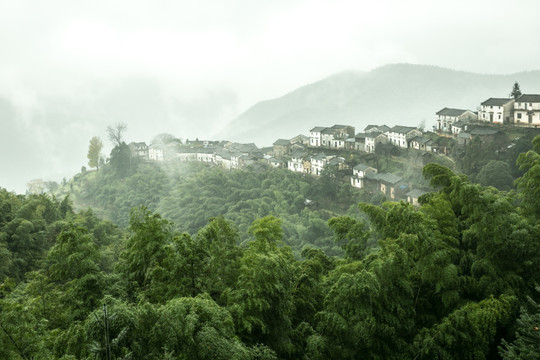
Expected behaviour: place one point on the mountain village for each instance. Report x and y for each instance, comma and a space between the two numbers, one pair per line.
320, 151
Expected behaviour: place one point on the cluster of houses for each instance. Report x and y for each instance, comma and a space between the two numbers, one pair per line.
523, 111
306, 154
302, 154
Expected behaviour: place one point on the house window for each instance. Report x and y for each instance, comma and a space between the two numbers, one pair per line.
499, 116
519, 115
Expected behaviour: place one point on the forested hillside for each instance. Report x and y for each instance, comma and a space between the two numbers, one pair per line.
189, 194
454, 278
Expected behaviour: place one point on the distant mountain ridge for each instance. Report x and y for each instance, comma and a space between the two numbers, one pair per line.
397, 94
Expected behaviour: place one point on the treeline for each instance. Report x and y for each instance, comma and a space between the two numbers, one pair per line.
452, 279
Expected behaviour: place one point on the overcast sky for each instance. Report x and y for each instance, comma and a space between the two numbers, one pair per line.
68, 68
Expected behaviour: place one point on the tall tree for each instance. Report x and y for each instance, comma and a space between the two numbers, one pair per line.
94, 152
116, 133
516, 92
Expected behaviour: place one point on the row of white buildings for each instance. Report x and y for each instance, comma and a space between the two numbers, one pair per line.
344, 137
523, 111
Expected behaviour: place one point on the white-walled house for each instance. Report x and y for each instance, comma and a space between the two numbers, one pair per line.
360, 172
330, 137
315, 136
527, 110
296, 164
372, 139
206, 155
318, 162
447, 116
420, 143
139, 149
155, 153
400, 135
496, 110
223, 158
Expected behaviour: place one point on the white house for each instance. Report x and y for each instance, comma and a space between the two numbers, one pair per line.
360, 172
317, 163
400, 135
447, 116
527, 110
223, 158
372, 139
139, 149
296, 163
206, 155
187, 154
315, 136
420, 143
496, 110
155, 153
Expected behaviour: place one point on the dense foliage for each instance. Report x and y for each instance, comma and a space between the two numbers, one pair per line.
189, 194
451, 279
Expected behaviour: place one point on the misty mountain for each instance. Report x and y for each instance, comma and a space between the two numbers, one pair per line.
399, 94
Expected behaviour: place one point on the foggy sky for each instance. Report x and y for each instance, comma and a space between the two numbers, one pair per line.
68, 69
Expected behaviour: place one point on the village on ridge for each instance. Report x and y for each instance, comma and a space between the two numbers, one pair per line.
305, 154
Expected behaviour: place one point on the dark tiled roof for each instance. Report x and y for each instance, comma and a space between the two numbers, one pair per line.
450, 112
339, 127
300, 137
528, 98
336, 161
319, 156
381, 128
282, 142
416, 193
275, 161
224, 154
360, 136
245, 148
298, 154
421, 140
317, 129
361, 167
464, 135
329, 131
402, 129
373, 134
496, 102
389, 178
